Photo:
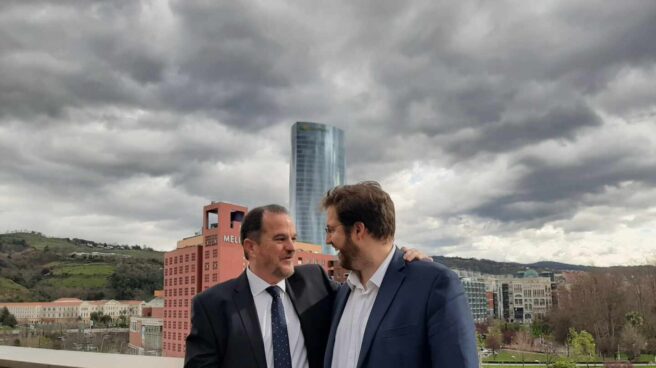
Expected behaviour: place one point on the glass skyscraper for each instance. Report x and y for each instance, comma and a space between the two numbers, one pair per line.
317, 165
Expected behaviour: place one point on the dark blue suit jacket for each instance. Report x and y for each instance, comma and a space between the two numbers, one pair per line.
225, 331
420, 318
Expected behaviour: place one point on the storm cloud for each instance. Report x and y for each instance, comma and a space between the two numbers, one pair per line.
507, 131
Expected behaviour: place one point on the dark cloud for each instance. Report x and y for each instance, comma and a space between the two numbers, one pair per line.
562, 122
490, 121
551, 191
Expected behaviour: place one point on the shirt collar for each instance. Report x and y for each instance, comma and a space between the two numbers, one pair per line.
353, 279
258, 285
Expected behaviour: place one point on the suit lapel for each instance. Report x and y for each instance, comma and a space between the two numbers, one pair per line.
340, 302
292, 296
391, 282
243, 299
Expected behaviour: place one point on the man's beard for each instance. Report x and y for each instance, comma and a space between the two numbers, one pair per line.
284, 273
349, 254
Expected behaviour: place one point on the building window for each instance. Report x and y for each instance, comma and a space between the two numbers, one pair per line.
215, 253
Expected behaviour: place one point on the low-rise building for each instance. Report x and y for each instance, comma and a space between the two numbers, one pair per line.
525, 297
71, 309
146, 330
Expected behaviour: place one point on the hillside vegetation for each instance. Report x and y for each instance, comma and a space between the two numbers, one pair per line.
34, 267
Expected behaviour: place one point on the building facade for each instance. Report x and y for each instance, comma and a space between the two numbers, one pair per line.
146, 331
203, 261
66, 310
474, 285
475, 291
317, 165
525, 298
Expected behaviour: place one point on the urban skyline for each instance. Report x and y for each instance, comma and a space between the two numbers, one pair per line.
505, 132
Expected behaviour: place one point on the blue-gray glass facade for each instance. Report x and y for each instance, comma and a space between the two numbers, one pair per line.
317, 165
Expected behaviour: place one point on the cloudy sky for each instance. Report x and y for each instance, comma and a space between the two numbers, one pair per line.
517, 131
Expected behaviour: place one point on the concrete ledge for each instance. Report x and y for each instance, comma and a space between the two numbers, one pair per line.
16, 357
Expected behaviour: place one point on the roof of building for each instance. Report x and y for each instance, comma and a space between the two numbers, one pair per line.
155, 303
67, 300
530, 274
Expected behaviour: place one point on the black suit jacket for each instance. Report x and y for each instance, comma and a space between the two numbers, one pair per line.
225, 331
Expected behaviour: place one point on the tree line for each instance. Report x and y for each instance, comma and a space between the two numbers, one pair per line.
617, 306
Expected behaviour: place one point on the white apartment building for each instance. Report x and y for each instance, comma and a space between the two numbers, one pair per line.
70, 309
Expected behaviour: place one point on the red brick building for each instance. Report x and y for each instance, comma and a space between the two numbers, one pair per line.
204, 260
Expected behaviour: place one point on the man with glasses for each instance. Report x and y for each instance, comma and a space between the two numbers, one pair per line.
389, 313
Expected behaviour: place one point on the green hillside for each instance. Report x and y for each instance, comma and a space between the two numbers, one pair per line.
11, 291
34, 267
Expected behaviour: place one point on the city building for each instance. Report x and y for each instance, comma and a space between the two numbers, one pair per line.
146, 331
202, 261
519, 298
474, 285
525, 297
66, 310
317, 165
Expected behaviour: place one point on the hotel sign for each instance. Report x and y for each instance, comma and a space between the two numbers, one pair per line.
231, 239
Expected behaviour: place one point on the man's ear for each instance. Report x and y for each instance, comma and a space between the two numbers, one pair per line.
359, 230
249, 247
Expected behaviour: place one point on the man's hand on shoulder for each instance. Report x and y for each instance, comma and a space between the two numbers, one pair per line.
411, 254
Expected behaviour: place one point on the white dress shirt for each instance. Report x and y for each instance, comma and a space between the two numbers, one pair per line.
263, 301
350, 331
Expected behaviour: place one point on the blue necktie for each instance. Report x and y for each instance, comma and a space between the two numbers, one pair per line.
281, 356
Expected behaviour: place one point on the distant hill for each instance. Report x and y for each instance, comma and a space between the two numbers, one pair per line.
505, 268
34, 267
510, 268
557, 266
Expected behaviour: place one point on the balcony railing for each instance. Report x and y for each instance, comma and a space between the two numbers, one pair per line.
17, 357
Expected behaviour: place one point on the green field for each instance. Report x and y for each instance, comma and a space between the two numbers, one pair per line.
10, 289
64, 246
532, 358
544, 365
40, 242
85, 282
90, 275
89, 269
515, 356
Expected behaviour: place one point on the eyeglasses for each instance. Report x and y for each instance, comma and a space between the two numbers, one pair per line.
329, 230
